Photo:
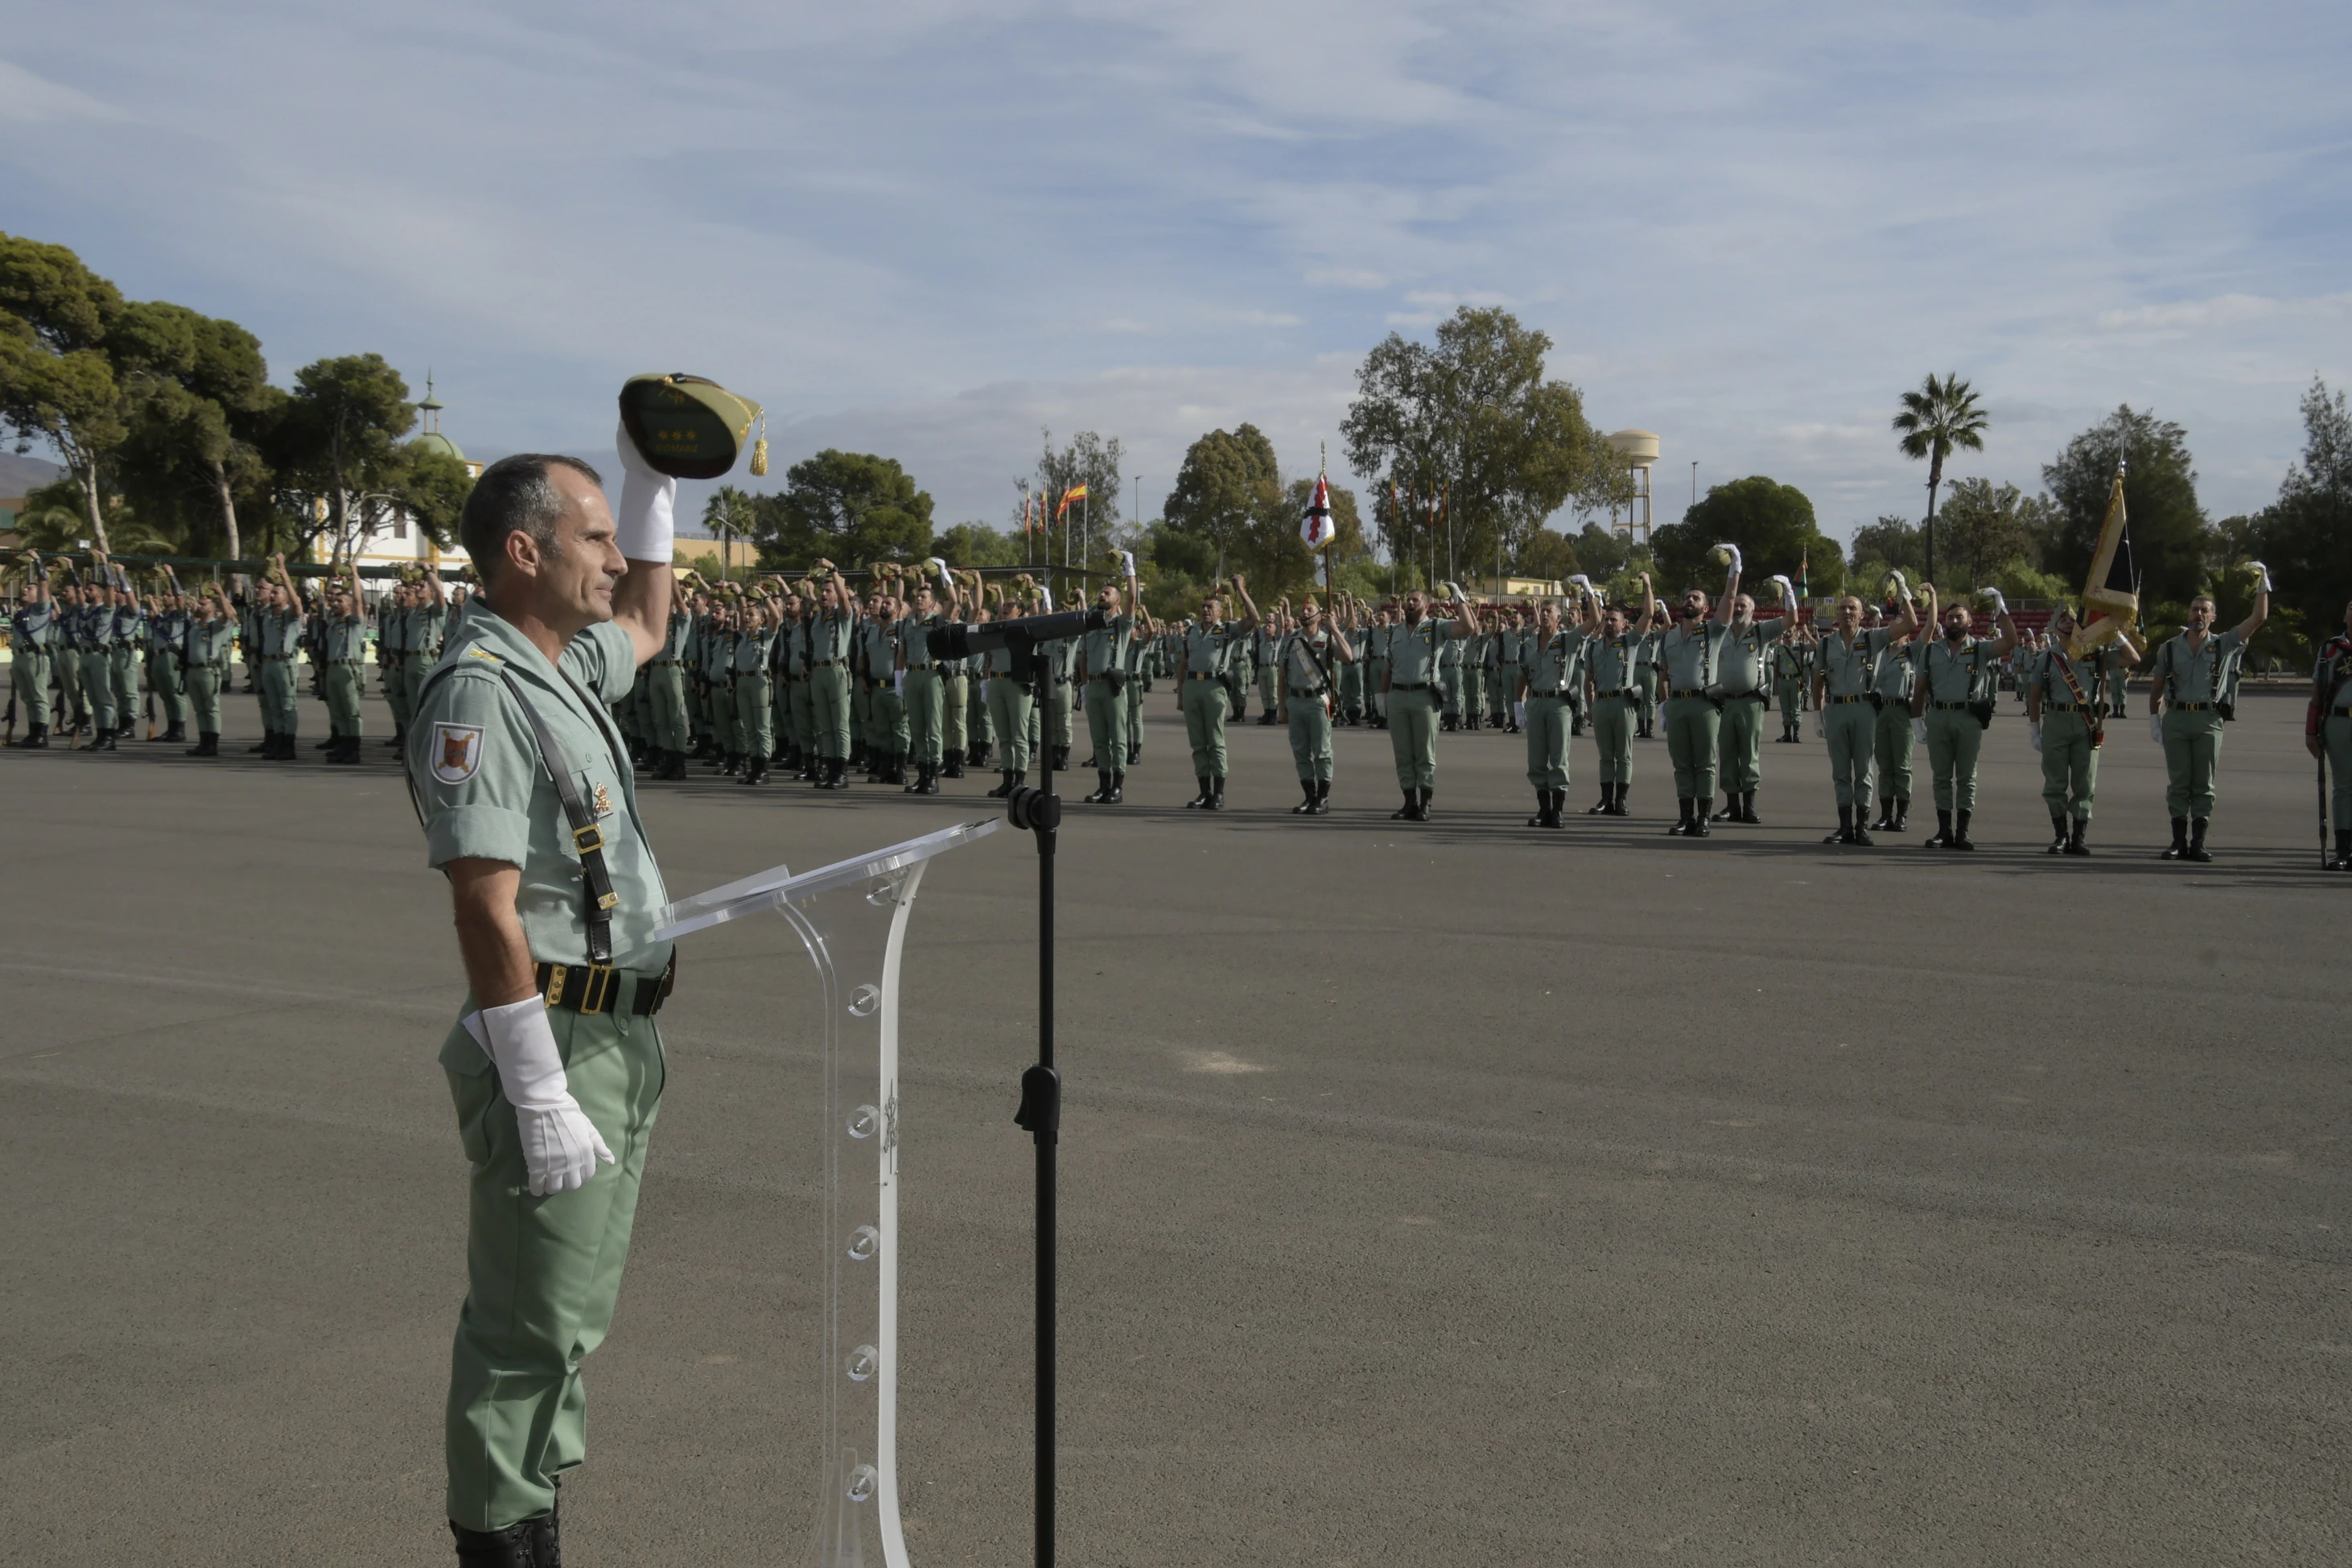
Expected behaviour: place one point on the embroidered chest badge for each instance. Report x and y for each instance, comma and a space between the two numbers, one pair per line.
457, 751
604, 800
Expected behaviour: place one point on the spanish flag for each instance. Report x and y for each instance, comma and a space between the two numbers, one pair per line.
1074, 493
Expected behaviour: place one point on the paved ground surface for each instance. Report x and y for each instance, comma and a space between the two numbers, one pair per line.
1452, 1194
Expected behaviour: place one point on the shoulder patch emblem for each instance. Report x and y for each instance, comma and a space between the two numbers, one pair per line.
457, 751
478, 652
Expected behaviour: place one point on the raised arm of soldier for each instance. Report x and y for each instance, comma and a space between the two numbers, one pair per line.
1649, 608
2253, 623
1730, 584
1242, 592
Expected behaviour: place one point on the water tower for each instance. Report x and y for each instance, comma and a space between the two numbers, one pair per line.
1639, 448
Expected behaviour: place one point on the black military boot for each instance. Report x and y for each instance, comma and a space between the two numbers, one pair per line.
2059, 836
1886, 823
1217, 792
1844, 834
1407, 813
1323, 797
2074, 844
757, 771
268, 744
1683, 824
2197, 851
734, 766
2179, 850
1542, 819
176, 733
1960, 840
1118, 789
509, 1548
839, 779
38, 738
1941, 839
1200, 799
1600, 808
1624, 788
1420, 813
954, 769
346, 753
1306, 807
1102, 787
1134, 752
1747, 809
1901, 813
2343, 860
1005, 785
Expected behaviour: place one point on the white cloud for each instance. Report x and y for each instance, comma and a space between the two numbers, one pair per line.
29, 99
2223, 310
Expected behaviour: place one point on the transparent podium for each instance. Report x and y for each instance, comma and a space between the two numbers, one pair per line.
851, 916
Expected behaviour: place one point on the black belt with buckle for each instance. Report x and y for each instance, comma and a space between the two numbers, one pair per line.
1857, 697
1408, 685
1196, 675
2194, 708
1949, 707
594, 988
1554, 695
823, 664
1317, 693
1688, 692
2340, 712
1613, 692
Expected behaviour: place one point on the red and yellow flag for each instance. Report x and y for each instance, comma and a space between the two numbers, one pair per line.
1074, 493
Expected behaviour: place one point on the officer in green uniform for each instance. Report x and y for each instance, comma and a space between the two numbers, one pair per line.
167, 627
1348, 615
211, 630
2192, 692
428, 620
1266, 648
1612, 675
2327, 731
344, 651
123, 654
1950, 705
718, 672
94, 637
1846, 705
755, 645
664, 678
1140, 655
1452, 677
886, 715
1240, 669
72, 714
556, 1065
1691, 655
32, 632
1792, 663
1416, 644
2066, 702
1202, 667
1056, 718
1376, 665
1645, 680
924, 698
392, 655
1010, 702
955, 696
1892, 741
1107, 671
1309, 658
1549, 666
1747, 654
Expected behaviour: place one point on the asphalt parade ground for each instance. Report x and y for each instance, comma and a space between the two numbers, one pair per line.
1451, 1194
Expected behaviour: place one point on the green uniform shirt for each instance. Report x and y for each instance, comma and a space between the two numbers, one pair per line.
1413, 650
1209, 649
1849, 668
1555, 667
1614, 661
209, 642
1956, 672
1106, 647
1693, 654
1307, 662
484, 792
753, 649
2185, 675
2051, 665
1744, 653
346, 639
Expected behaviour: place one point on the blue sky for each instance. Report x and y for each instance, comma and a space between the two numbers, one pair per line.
928, 230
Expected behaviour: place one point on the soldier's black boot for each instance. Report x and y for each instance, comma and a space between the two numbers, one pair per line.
1730, 813
2179, 850
1747, 809
1323, 797
1102, 788
508, 1548
1217, 792
1941, 839
1602, 807
1004, 788
1682, 822
1306, 807
2197, 851
2343, 860
1201, 799
176, 733
1422, 813
1901, 813
1960, 840
840, 774
268, 744
954, 769
38, 738
2074, 844
2059, 836
732, 766
1118, 789
1062, 758
1886, 823
1542, 819
1411, 805
1844, 835
1624, 787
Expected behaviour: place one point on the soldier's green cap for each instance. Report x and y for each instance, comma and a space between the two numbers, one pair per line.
690, 427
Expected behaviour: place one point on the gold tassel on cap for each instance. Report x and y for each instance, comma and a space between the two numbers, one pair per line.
759, 449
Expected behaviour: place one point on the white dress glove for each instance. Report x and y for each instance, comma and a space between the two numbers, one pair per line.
1787, 592
2262, 577
1992, 595
561, 1146
1126, 563
2156, 727
1920, 730
2034, 733
644, 526
1728, 554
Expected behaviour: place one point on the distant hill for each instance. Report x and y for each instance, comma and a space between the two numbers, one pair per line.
20, 474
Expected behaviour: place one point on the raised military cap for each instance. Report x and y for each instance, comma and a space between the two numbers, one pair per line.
690, 427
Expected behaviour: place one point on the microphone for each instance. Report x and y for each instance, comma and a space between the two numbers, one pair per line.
1025, 632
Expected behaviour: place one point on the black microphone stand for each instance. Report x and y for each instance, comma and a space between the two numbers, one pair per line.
1040, 811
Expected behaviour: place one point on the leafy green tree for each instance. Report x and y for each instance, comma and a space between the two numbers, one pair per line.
336, 452
1089, 460
57, 375
977, 545
1548, 553
1942, 417
1770, 522
2305, 536
198, 402
1278, 560
1986, 526
1472, 418
1229, 484
853, 509
1890, 543
2167, 526
1602, 552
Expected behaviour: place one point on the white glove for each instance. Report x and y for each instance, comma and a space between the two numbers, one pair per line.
1729, 554
1787, 592
1999, 605
1902, 589
1126, 563
643, 524
2034, 733
561, 1146
2262, 577
2156, 727
1920, 730
940, 566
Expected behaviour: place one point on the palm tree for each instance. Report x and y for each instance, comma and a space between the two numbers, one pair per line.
1938, 419
729, 511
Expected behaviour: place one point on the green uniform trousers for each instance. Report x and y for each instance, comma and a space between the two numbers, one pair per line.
1236, 680
1132, 699
1792, 704
755, 715
2193, 752
278, 713
1545, 727
726, 725
1474, 691
1892, 744
922, 705
1204, 726
1269, 687
163, 680
414, 668
1692, 725
978, 729
204, 696
1412, 736
541, 1273
395, 690
885, 719
2070, 764
1740, 743
861, 711
1851, 730
829, 709
98, 685
124, 666
1061, 722
1310, 736
1008, 715
666, 685
343, 694
28, 677
1501, 691
2336, 741
1376, 678
802, 706
1953, 741
1351, 687
955, 703
1106, 723
72, 705
1613, 721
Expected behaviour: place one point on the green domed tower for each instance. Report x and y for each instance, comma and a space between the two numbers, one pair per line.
431, 439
